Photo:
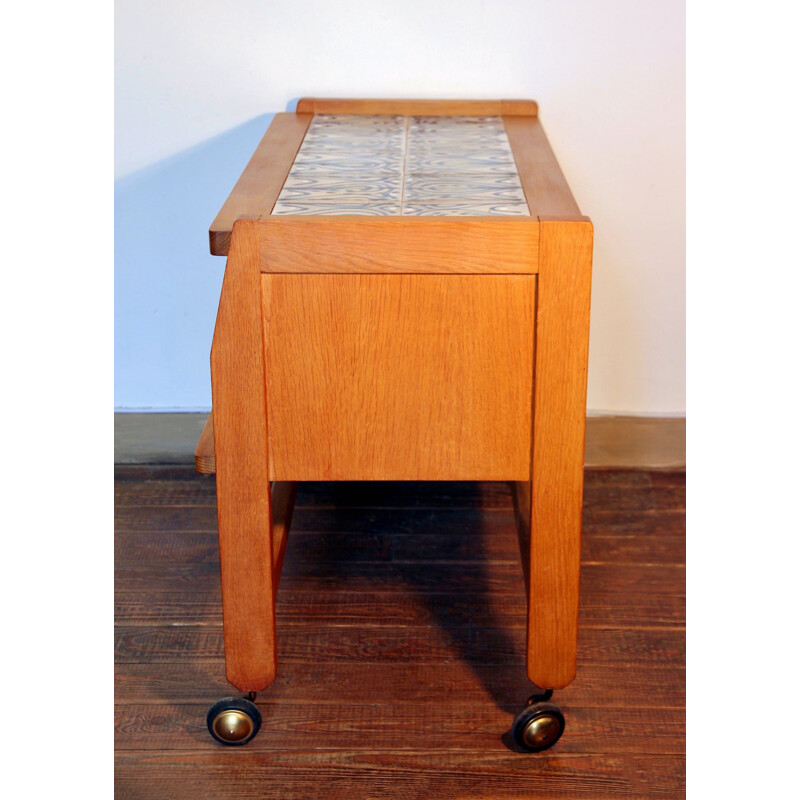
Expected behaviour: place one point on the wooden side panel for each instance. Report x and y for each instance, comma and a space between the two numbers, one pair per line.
240, 445
545, 186
501, 245
317, 105
399, 377
559, 423
260, 184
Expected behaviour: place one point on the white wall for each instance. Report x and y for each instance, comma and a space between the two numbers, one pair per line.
197, 83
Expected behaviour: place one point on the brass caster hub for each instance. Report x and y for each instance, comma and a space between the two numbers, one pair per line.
541, 732
233, 721
232, 726
538, 727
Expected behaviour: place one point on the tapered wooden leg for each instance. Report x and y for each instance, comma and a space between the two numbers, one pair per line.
244, 507
554, 502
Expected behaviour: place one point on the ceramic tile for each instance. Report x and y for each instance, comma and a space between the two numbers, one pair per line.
475, 151
358, 163
357, 121
466, 164
472, 123
488, 188
359, 209
465, 209
362, 137
457, 145
346, 146
448, 149
444, 127
415, 166
356, 188
336, 156
423, 135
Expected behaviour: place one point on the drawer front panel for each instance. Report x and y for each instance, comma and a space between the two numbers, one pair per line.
398, 377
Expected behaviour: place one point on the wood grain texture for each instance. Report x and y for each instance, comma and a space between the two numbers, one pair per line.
302, 682
376, 606
283, 494
426, 727
659, 492
398, 377
559, 424
323, 105
336, 643
240, 445
546, 189
258, 188
334, 244
448, 578
204, 461
401, 683
417, 771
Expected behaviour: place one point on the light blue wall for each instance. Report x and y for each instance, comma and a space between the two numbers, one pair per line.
195, 78
166, 283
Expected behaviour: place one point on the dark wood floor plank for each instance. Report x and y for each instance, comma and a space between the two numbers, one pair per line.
385, 683
611, 549
202, 518
197, 491
411, 775
146, 473
634, 478
432, 644
501, 545
201, 547
652, 522
627, 491
472, 579
397, 727
658, 477
377, 494
153, 519
597, 609
465, 522
401, 639
659, 777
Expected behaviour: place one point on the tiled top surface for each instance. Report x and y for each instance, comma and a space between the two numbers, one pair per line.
411, 166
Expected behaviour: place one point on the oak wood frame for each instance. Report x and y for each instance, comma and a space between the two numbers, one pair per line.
432, 108
555, 244
423, 245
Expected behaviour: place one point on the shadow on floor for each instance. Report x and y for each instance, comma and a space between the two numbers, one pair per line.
452, 583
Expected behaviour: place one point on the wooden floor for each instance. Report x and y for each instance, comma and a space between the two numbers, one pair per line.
401, 637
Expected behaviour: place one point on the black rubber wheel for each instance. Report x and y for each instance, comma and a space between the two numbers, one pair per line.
233, 720
538, 727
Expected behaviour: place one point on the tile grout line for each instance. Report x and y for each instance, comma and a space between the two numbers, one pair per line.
406, 125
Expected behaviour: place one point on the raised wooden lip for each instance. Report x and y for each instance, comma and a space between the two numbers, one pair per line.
411, 106
261, 181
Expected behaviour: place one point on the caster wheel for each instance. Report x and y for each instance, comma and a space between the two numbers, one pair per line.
538, 726
233, 720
